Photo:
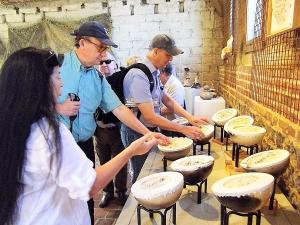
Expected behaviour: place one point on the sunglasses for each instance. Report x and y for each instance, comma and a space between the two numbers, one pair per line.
108, 61
52, 60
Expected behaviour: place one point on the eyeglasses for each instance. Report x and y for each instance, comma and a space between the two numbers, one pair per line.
99, 48
107, 61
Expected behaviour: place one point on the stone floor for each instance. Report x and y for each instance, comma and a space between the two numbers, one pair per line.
187, 210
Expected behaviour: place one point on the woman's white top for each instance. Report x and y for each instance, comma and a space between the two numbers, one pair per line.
54, 194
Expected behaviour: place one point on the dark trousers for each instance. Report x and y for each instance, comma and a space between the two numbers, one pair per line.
88, 148
108, 145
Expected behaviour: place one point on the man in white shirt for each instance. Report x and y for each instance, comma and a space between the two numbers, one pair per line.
173, 87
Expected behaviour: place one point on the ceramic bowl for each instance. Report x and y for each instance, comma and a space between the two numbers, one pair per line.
179, 147
194, 168
238, 121
222, 116
158, 191
246, 192
274, 162
208, 131
247, 135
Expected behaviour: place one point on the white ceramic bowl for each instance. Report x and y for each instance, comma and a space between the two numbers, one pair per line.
208, 131
274, 162
158, 191
247, 135
238, 121
222, 116
179, 147
194, 168
246, 192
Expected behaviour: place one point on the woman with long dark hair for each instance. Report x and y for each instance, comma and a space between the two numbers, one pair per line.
44, 177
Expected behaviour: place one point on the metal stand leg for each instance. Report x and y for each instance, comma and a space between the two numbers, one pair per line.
165, 164
237, 152
194, 147
215, 128
199, 188
250, 218
233, 151
226, 141
222, 134
225, 216
199, 194
208, 148
163, 215
138, 210
273, 195
258, 217
174, 214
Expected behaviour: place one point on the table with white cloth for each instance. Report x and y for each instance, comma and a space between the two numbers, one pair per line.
190, 94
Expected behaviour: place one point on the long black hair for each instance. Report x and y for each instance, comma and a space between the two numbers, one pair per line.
26, 96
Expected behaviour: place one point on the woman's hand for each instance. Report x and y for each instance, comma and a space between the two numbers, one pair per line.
142, 145
162, 139
68, 107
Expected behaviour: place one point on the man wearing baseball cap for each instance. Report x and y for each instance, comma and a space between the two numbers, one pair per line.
137, 89
80, 77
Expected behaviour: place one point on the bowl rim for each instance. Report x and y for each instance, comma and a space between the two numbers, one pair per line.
166, 149
265, 180
234, 113
235, 118
286, 155
177, 181
239, 133
177, 167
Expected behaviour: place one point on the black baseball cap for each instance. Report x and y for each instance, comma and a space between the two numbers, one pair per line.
96, 30
165, 42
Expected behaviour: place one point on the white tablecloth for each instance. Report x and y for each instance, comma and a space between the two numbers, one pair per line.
190, 94
207, 108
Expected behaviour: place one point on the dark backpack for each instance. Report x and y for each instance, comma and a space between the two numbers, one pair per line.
116, 82
117, 78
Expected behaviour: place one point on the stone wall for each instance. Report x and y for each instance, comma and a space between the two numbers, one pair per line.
235, 85
194, 24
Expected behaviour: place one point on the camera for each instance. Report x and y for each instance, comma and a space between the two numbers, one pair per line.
73, 97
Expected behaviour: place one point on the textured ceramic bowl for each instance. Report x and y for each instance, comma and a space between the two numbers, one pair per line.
194, 168
247, 135
158, 191
274, 162
222, 116
179, 147
208, 131
238, 121
246, 192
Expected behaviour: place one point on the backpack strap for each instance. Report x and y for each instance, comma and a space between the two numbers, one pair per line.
146, 70
148, 73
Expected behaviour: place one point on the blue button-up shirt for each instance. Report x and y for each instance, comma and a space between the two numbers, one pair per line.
93, 91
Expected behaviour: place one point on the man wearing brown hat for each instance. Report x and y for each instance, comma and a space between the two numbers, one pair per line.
80, 77
137, 90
